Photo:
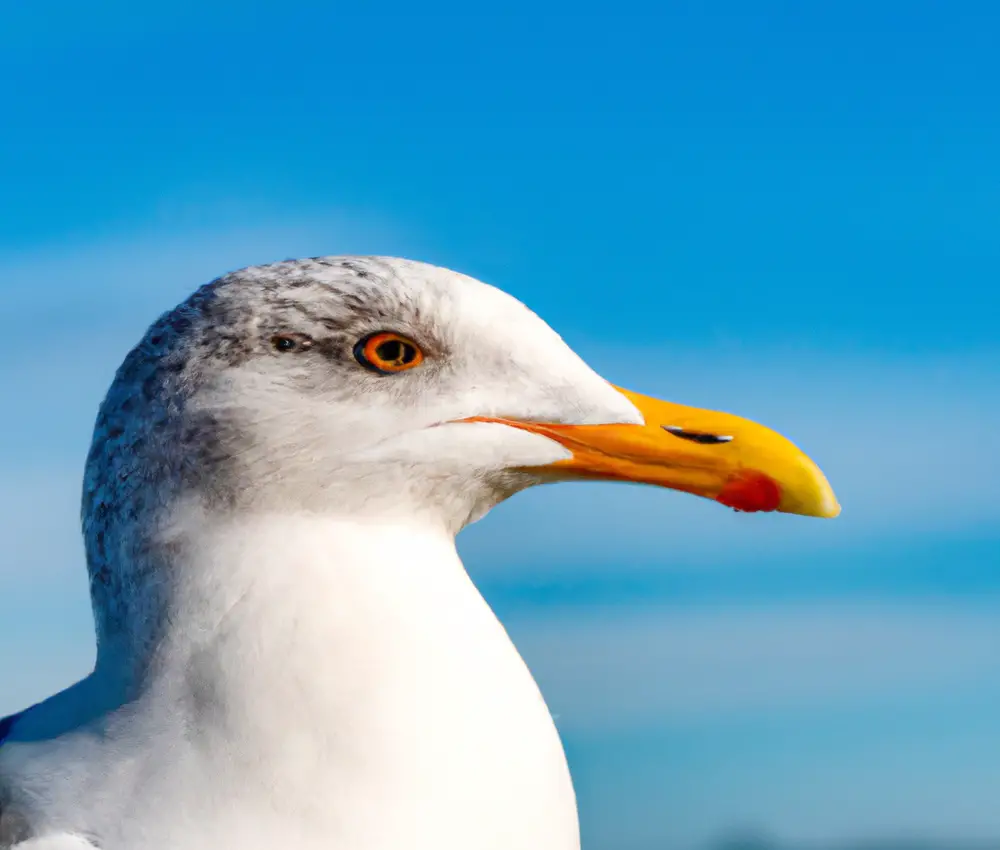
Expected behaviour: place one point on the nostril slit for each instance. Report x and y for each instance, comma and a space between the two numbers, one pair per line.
702, 437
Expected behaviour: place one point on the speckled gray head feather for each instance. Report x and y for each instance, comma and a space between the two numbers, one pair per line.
158, 437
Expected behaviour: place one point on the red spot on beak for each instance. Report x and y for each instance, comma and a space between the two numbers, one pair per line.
750, 491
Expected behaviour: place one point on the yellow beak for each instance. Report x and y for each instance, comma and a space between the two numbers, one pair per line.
715, 455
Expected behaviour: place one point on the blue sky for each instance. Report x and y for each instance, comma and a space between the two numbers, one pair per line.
787, 210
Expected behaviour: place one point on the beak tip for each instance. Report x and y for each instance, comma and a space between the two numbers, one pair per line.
833, 511
823, 505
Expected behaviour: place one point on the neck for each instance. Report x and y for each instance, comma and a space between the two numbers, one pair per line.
329, 673
289, 597
337, 650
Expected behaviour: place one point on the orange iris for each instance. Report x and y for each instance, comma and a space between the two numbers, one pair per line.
388, 352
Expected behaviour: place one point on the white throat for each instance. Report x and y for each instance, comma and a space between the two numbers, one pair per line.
348, 679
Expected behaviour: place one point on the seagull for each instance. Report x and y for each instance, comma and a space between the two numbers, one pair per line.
290, 653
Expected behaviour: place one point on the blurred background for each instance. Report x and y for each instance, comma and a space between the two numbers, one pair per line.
786, 210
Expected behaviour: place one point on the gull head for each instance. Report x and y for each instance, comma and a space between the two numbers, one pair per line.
376, 387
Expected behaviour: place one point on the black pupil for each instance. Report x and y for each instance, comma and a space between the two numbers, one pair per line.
396, 352
284, 343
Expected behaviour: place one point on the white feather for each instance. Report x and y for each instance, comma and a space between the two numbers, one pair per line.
314, 668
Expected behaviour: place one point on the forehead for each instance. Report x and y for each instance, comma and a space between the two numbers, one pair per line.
378, 289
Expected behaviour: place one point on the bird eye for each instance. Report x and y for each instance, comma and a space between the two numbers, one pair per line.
286, 343
387, 352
